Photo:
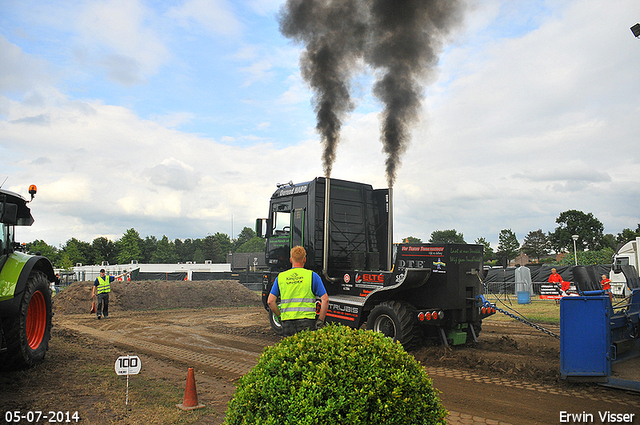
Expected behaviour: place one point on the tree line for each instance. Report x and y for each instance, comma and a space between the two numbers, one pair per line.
593, 246
132, 247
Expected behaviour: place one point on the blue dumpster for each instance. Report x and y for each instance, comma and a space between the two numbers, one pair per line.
585, 338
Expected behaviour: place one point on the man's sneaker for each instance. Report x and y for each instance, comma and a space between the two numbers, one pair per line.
99, 317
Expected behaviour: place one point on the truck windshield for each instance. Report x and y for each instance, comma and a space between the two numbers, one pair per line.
622, 261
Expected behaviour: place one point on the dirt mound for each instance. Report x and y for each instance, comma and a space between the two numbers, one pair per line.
154, 294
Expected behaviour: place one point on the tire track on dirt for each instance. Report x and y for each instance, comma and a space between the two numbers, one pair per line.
469, 376
234, 367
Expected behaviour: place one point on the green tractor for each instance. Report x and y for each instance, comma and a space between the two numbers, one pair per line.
25, 290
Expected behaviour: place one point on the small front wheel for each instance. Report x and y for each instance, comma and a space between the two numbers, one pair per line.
275, 323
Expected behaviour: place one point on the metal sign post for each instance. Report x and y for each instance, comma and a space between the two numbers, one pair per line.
128, 365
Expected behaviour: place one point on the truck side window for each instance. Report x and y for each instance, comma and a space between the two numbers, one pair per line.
281, 222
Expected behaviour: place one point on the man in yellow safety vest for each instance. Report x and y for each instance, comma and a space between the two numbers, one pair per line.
102, 287
298, 289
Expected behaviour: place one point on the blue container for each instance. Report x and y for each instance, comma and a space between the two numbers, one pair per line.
524, 297
585, 338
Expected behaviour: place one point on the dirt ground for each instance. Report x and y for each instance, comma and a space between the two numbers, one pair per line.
511, 376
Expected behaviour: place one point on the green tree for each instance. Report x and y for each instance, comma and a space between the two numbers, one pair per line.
198, 256
188, 250
129, 247
628, 235
64, 262
536, 244
104, 250
256, 244
215, 247
488, 251
572, 222
586, 258
609, 241
185, 250
245, 236
411, 239
79, 252
224, 246
148, 248
508, 245
44, 249
165, 252
446, 236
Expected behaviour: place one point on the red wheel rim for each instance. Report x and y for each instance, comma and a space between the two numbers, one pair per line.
36, 320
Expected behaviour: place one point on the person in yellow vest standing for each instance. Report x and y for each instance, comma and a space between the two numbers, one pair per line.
101, 288
298, 289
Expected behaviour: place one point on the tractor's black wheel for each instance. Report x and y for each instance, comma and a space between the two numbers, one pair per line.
396, 320
275, 323
27, 334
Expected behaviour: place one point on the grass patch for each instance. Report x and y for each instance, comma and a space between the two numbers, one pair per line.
539, 311
78, 376
150, 401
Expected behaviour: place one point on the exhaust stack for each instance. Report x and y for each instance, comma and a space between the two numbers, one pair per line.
325, 237
390, 230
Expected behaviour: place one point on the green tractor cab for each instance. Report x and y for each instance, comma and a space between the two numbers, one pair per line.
25, 290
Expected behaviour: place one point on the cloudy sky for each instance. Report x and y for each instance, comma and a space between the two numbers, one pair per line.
178, 118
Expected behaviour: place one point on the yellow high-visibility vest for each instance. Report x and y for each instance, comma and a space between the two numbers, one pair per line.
296, 294
104, 285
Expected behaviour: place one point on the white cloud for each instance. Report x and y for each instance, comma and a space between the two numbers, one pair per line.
116, 35
20, 72
531, 116
258, 71
213, 16
265, 7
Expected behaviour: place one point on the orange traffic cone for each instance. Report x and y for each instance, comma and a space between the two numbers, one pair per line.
190, 395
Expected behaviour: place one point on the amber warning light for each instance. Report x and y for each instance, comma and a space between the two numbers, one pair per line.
33, 190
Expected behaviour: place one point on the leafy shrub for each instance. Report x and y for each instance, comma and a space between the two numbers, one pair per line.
336, 375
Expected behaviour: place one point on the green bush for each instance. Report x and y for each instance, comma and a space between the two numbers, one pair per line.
336, 375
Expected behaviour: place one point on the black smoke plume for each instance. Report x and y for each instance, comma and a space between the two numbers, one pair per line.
334, 33
399, 39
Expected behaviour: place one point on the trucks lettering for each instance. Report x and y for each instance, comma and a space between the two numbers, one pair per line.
369, 277
412, 264
343, 308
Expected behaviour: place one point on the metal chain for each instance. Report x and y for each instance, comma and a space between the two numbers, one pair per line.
526, 322
513, 316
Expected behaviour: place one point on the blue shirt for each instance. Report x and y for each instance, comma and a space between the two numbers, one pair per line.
111, 279
316, 286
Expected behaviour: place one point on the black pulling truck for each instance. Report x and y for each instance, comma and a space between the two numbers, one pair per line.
407, 291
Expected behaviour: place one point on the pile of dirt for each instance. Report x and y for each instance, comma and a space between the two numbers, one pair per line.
158, 294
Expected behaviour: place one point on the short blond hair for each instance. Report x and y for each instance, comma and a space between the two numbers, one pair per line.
298, 254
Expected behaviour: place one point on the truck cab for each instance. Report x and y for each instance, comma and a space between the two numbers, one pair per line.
626, 255
407, 291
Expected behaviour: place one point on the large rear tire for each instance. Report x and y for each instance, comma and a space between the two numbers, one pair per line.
27, 334
396, 320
